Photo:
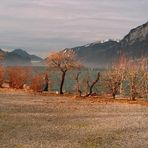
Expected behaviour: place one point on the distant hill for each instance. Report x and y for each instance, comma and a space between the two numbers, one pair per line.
102, 54
18, 57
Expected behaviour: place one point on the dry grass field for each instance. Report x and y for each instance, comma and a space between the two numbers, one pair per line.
34, 121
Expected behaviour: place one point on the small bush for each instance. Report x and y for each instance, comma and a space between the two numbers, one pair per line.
2, 74
37, 83
18, 76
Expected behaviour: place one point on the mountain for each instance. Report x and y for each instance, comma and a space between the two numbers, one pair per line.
135, 42
23, 53
35, 58
18, 57
98, 54
102, 54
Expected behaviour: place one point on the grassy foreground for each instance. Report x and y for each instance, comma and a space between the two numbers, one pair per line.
28, 121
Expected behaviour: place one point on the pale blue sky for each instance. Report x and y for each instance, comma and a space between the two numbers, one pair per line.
41, 26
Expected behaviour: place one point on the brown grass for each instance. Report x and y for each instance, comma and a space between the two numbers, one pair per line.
36, 121
99, 99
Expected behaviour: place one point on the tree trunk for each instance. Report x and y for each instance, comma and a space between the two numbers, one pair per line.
133, 93
62, 82
93, 84
114, 95
46, 86
46, 83
78, 90
78, 85
121, 89
133, 98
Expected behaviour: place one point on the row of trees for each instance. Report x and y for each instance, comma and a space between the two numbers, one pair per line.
127, 78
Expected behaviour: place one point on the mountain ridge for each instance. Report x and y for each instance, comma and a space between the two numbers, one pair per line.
18, 57
102, 54
97, 54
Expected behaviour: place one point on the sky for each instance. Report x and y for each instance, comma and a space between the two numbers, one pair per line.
44, 26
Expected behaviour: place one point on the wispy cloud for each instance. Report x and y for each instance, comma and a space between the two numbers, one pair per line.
44, 25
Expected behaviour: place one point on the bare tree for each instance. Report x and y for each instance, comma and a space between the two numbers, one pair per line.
76, 76
137, 78
46, 82
90, 85
115, 77
112, 80
131, 73
121, 65
63, 61
84, 82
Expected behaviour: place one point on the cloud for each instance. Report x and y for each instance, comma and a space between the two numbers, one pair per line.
44, 25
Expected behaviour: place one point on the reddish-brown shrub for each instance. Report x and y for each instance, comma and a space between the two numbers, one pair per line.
37, 83
18, 76
2, 73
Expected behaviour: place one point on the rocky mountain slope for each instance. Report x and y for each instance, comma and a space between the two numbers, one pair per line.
100, 54
135, 44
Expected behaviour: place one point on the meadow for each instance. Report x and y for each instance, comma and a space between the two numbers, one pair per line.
50, 121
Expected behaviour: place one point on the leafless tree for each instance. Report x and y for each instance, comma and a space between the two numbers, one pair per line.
76, 76
113, 79
63, 61
137, 78
90, 85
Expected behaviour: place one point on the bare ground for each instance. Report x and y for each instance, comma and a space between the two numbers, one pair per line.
28, 121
